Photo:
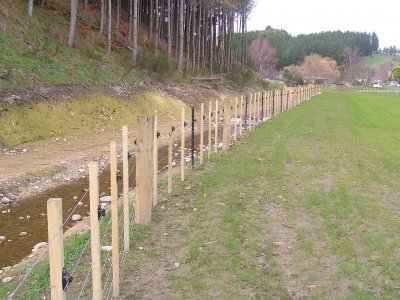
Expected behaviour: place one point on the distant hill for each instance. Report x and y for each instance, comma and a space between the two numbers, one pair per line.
374, 61
293, 49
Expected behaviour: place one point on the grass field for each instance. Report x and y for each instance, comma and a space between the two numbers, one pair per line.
375, 61
305, 208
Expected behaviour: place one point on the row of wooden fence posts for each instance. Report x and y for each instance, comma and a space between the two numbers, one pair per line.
258, 107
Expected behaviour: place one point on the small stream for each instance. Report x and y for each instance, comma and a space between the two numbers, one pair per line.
29, 215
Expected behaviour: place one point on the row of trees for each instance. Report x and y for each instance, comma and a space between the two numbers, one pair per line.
194, 34
292, 50
392, 50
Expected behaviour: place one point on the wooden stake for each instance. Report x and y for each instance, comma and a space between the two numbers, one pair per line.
201, 133
155, 162
95, 230
183, 144
170, 153
125, 178
114, 219
216, 126
241, 116
209, 129
144, 169
56, 247
227, 124
250, 107
236, 117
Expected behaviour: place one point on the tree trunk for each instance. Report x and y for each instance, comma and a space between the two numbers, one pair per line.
109, 28
85, 4
157, 29
118, 15
130, 20
181, 34
194, 35
211, 56
43, 3
101, 18
135, 33
30, 8
151, 27
189, 15
72, 27
169, 32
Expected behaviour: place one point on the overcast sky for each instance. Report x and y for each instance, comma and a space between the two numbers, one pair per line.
309, 16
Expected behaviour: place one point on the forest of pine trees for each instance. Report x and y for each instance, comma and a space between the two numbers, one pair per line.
195, 35
291, 50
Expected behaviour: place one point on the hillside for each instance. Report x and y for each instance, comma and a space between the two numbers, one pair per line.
374, 61
33, 51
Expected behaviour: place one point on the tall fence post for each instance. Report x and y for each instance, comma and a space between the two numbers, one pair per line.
183, 144
236, 117
192, 144
227, 124
125, 179
241, 115
209, 129
201, 133
144, 169
56, 247
250, 110
255, 113
155, 161
170, 153
114, 219
95, 230
216, 126
255, 109
245, 113
273, 108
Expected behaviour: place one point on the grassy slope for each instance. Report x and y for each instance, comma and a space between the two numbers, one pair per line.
375, 61
308, 210
44, 120
36, 48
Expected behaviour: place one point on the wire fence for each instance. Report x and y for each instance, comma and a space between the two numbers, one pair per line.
211, 130
381, 91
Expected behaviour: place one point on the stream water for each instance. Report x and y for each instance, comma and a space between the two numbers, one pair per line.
29, 215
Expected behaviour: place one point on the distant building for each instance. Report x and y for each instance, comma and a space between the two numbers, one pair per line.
378, 84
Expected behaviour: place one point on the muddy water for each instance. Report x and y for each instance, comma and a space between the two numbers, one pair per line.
11, 252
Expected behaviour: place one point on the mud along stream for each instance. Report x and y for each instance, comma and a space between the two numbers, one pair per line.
29, 215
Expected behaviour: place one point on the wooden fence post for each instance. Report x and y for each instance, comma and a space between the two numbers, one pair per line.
201, 133
236, 117
183, 144
209, 129
241, 116
56, 247
255, 113
170, 153
256, 109
155, 161
227, 124
125, 179
216, 126
250, 109
144, 170
114, 219
95, 230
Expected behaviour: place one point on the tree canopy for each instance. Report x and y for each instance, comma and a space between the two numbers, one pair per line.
293, 49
